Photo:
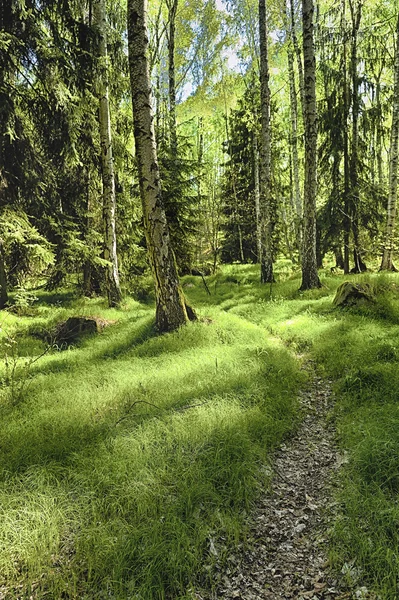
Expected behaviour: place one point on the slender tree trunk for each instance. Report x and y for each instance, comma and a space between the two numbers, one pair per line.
200, 147
87, 267
387, 261
379, 131
3, 279
294, 141
347, 217
172, 9
242, 257
171, 308
109, 199
298, 55
265, 152
255, 158
310, 277
356, 13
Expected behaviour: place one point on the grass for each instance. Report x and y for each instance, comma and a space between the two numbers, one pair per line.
130, 459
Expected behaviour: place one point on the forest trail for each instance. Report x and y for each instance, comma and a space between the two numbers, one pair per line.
286, 555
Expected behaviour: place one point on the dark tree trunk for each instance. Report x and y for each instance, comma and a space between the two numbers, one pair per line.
265, 152
171, 308
3, 279
310, 277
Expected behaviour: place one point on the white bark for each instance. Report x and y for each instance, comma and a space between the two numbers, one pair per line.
171, 309
310, 278
108, 177
387, 259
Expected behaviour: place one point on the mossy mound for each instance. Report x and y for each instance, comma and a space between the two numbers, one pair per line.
349, 293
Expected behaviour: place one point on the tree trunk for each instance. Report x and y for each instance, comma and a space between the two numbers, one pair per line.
310, 277
346, 217
171, 308
298, 55
387, 262
255, 158
356, 13
294, 142
200, 149
379, 131
3, 279
108, 178
87, 267
265, 152
172, 10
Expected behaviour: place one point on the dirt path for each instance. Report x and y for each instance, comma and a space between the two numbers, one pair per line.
288, 528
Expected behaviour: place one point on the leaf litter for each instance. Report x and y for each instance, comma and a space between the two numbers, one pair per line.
285, 555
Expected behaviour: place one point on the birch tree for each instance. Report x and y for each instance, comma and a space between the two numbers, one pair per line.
172, 11
355, 7
172, 311
294, 124
310, 277
265, 152
387, 261
108, 177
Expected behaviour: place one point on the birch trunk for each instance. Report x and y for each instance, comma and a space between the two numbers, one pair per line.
294, 141
171, 308
298, 55
108, 178
356, 13
346, 217
255, 158
172, 9
387, 261
310, 277
265, 152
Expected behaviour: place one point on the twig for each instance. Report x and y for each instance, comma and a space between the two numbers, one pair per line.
134, 404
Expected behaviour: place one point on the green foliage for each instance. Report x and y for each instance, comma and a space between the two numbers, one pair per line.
26, 251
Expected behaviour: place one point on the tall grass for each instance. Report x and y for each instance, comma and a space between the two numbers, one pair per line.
131, 458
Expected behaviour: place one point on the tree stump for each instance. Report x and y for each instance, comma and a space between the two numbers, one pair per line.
349, 293
72, 329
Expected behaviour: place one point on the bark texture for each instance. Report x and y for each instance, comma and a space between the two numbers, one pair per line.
310, 277
171, 308
3, 279
294, 137
107, 164
298, 55
387, 259
172, 10
255, 159
356, 13
265, 152
346, 103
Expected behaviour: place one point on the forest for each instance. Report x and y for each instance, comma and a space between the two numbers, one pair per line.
199, 303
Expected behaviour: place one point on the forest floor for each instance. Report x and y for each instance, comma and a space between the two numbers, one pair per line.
285, 555
181, 466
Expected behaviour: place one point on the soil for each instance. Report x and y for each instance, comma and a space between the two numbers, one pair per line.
285, 555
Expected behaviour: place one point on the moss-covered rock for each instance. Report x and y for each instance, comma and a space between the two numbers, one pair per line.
349, 293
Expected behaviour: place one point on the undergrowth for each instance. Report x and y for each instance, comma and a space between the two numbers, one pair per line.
130, 459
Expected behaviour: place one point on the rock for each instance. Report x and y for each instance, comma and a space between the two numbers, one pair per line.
72, 329
349, 293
